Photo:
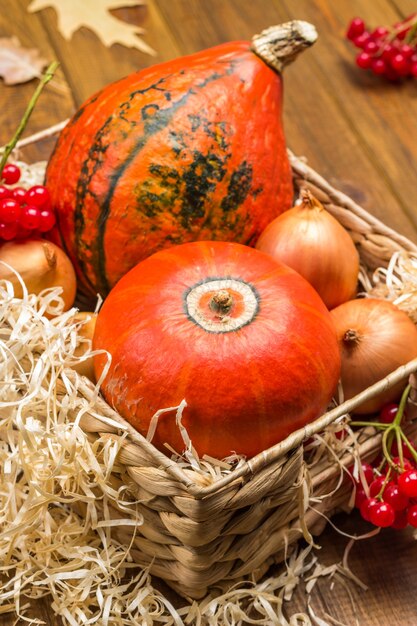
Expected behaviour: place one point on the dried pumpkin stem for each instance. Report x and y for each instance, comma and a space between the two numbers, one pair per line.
280, 45
46, 77
221, 302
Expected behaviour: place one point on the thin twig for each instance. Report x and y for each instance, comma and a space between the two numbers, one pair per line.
42, 134
47, 76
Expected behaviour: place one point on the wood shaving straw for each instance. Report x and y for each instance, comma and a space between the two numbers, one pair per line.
397, 283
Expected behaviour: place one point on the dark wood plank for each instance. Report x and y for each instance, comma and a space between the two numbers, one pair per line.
355, 130
385, 563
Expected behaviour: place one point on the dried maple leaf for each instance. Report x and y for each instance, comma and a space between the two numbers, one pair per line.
93, 14
19, 64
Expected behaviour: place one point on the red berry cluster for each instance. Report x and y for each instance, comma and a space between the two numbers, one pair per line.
387, 52
389, 495
23, 212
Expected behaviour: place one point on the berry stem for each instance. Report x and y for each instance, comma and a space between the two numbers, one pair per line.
409, 446
410, 36
393, 431
377, 425
46, 77
401, 408
384, 484
410, 22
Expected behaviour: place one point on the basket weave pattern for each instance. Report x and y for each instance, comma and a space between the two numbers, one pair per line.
198, 533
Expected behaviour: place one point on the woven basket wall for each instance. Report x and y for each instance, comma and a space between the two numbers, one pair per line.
199, 533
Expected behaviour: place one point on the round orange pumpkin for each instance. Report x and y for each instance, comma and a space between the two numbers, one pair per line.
244, 340
187, 150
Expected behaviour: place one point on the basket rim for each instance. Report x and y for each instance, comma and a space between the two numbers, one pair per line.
262, 459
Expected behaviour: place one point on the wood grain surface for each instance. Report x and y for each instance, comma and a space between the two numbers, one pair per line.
357, 131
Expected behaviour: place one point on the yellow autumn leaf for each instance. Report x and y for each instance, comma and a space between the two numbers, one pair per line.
73, 14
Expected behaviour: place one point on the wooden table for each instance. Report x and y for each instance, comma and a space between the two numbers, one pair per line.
357, 131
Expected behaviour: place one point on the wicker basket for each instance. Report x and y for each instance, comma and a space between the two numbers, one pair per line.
199, 533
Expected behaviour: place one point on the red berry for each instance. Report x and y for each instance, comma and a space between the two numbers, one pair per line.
341, 434
360, 496
46, 220
402, 30
376, 485
9, 211
38, 195
412, 515
361, 40
5, 192
407, 454
388, 413
395, 498
407, 51
8, 231
355, 28
378, 66
30, 217
381, 514
406, 464
388, 51
379, 32
400, 64
407, 483
10, 174
400, 520
19, 194
367, 470
413, 69
371, 47
366, 507
363, 60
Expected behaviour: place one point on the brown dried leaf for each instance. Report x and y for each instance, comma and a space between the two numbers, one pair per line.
19, 64
93, 14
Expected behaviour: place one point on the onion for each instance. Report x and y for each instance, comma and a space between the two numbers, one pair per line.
314, 244
375, 338
41, 264
85, 333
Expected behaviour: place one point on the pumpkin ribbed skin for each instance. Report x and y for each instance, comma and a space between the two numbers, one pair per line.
250, 376
192, 149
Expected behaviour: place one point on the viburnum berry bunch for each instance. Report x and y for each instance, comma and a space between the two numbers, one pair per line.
390, 52
23, 212
388, 494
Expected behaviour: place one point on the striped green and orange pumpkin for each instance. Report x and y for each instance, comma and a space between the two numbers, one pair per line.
192, 149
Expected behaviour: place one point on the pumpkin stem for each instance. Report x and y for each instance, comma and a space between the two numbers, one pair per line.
280, 45
221, 302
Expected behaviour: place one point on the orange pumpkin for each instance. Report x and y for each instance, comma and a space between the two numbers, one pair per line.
187, 150
245, 340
